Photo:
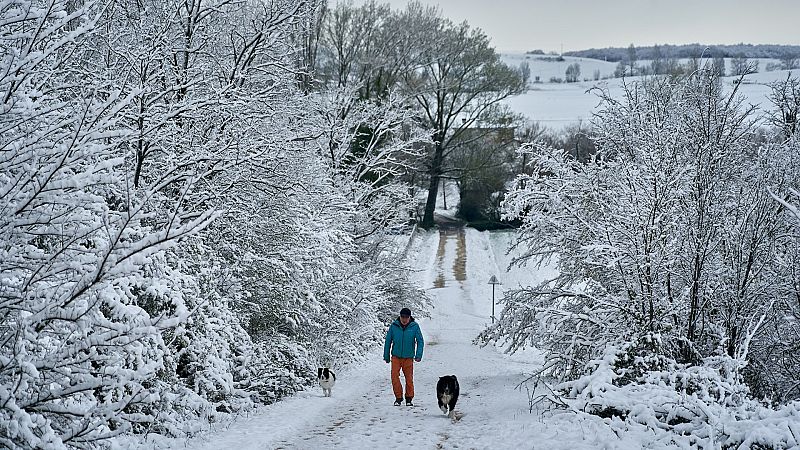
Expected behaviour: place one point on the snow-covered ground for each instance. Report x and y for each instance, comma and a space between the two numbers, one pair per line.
558, 105
494, 411
546, 66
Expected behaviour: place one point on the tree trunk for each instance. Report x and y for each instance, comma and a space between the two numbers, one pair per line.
444, 192
433, 191
430, 203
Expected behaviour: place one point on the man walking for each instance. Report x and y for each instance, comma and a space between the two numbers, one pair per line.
404, 343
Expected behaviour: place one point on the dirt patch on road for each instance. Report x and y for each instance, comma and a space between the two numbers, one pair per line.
460, 265
439, 281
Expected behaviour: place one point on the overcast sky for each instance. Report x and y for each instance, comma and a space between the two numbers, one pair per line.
522, 25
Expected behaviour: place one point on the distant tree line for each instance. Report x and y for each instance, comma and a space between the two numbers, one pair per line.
615, 54
661, 62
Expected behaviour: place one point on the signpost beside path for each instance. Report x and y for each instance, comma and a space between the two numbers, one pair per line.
493, 281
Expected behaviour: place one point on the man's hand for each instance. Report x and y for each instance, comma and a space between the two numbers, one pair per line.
417, 359
387, 361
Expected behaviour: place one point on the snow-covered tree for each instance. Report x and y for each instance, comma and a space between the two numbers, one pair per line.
83, 253
459, 83
573, 73
785, 96
448, 72
669, 231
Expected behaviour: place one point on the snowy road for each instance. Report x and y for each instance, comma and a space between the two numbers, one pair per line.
455, 266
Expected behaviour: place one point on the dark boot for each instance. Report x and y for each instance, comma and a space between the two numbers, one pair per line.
408, 401
398, 402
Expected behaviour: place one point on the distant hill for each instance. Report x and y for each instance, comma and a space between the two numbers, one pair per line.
614, 54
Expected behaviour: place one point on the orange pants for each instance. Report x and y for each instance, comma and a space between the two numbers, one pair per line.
407, 364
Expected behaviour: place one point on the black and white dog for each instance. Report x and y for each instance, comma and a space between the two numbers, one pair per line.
447, 393
326, 379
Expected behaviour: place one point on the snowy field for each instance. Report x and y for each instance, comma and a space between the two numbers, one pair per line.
558, 105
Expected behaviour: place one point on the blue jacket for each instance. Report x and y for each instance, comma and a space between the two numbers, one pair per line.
401, 340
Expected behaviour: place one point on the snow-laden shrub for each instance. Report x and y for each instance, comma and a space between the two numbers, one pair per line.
279, 367
633, 385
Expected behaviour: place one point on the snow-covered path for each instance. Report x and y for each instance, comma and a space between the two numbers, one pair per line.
455, 266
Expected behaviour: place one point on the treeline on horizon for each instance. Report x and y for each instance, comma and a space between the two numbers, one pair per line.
615, 54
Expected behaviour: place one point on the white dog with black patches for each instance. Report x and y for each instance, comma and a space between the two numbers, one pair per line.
326, 379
